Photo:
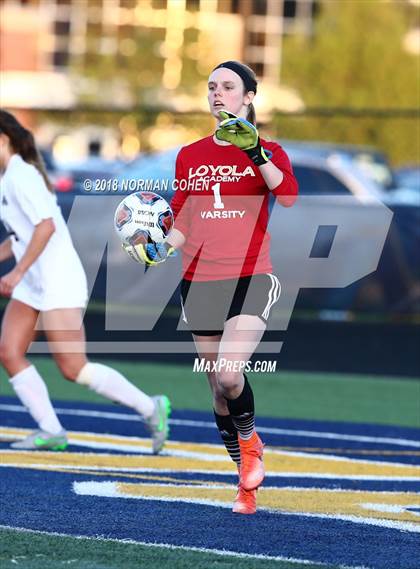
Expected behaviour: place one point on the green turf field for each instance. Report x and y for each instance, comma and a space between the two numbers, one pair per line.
334, 397
38, 551
321, 396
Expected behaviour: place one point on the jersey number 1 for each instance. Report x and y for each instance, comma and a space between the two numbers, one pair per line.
218, 204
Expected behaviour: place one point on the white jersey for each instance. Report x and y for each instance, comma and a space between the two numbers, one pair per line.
56, 279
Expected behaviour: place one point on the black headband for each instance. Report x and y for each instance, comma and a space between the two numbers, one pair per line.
249, 81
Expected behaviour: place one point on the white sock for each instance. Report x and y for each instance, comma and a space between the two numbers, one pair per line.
111, 384
32, 391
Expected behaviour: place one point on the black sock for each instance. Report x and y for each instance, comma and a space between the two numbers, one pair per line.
242, 411
229, 436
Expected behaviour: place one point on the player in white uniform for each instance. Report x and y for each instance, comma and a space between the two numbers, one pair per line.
48, 284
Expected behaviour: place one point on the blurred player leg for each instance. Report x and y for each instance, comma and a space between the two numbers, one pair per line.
17, 332
207, 348
240, 339
66, 337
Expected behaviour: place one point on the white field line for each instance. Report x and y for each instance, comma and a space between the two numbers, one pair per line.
210, 425
184, 548
388, 508
110, 490
203, 471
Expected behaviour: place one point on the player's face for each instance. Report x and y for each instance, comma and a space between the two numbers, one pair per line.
226, 92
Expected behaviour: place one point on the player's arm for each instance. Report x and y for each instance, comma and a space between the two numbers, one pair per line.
176, 239
6, 249
283, 187
180, 205
272, 175
40, 237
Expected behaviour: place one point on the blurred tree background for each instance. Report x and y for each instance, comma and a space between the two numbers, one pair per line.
132, 77
356, 58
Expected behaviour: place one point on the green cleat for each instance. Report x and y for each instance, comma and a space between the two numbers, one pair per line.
158, 423
41, 440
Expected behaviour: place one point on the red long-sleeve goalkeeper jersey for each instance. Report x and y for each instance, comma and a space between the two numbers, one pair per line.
221, 207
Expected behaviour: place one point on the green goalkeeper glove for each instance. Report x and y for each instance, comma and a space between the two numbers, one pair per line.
242, 134
149, 254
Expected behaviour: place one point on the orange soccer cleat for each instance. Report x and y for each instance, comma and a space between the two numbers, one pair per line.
245, 501
251, 472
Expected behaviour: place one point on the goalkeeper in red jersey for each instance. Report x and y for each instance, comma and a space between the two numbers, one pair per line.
224, 182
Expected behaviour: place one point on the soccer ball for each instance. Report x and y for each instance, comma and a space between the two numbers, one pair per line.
143, 217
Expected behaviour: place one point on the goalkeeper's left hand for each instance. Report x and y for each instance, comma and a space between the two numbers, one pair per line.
242, 134
150, 254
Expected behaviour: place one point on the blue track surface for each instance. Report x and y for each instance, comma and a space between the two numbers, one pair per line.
45, 500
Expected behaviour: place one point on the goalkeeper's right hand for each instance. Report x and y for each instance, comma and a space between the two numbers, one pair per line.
244, 135
149, 254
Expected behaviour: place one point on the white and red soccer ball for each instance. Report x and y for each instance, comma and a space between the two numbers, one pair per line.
143, 217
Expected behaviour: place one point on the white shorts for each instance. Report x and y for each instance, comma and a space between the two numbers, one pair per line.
57, 293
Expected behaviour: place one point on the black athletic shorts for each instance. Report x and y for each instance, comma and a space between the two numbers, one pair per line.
207, 305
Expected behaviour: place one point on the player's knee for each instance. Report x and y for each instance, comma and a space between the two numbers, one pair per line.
8, 354
211, 375
229, 380
69, 368
3, 353
218, 397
